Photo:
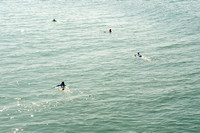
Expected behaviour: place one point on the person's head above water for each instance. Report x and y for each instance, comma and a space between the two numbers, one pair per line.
54, 20
110, 30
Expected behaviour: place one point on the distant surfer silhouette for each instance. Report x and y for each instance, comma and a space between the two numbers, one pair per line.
138, 54
110, 31
62, 85
54, 20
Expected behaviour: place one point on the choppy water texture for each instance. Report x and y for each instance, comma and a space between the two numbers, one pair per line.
109, 89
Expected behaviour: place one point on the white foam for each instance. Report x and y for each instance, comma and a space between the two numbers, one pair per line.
143, 57
146, 58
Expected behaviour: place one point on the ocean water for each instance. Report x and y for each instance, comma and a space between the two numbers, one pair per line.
109, 90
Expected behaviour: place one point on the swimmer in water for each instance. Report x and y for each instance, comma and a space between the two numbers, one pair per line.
54, 20
108, 31
138, 54
62, 85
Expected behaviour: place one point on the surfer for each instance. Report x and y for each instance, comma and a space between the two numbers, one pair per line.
54, 20
62, 85
108, 31
138, 54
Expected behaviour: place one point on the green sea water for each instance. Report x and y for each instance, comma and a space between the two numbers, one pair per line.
109, 90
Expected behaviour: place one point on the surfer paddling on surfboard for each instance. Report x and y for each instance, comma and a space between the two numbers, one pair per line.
110, 31
138, 55
62, 85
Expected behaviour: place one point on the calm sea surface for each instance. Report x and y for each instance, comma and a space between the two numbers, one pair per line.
109, 90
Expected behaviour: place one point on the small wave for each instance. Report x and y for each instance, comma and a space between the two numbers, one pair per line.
146, 58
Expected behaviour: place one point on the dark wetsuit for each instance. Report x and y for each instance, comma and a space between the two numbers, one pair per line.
139, 55
62, 85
